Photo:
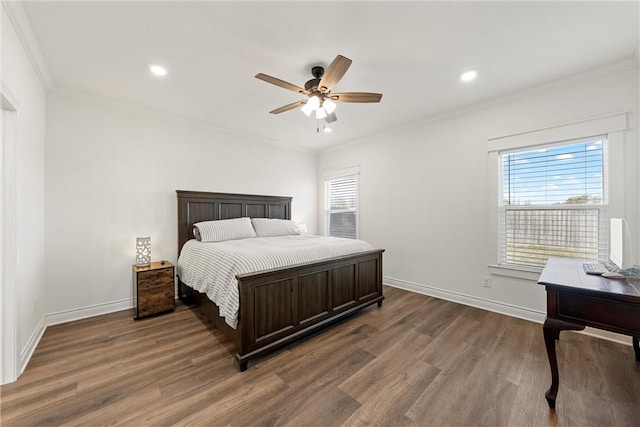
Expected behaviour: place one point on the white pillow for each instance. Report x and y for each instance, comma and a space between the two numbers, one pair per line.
224, 229
266, 227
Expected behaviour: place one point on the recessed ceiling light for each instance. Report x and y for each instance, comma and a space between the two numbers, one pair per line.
158, 70
328, 130
467, 76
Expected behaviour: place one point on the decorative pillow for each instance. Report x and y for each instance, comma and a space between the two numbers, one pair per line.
224, 229
266, 227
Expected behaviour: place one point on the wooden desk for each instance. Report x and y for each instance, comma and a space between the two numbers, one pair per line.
576, 299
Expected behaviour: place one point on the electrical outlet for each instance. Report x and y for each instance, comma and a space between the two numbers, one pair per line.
486, 282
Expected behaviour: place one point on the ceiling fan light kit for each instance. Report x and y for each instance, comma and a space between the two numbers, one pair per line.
320, 113
311, 105
321, 100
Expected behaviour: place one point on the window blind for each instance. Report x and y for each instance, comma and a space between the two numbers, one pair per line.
342, 197
554, 203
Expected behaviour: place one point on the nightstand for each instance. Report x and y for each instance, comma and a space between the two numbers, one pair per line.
153, 289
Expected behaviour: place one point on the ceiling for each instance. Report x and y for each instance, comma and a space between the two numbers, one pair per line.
412, 52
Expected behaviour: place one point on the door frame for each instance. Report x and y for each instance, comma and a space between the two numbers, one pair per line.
8, 247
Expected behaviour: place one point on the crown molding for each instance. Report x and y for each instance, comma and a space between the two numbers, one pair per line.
96, 99
16, 14
617, 67
597, 73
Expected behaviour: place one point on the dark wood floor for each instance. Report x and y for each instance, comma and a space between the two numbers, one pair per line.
415, 361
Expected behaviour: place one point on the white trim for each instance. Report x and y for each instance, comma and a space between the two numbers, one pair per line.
604, 71
615, 173
496, 307
606, 335
585, 212
333, 174
9, 347
127, 304
592, 126
516, 272
485, 304
18, 17
34, 339
9, 101
338, 172
125, 106
89, 311
612, 126
64, 317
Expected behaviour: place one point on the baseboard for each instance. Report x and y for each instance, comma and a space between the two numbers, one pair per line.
64, 317
90, 311
34, 339
497, 307
485, 304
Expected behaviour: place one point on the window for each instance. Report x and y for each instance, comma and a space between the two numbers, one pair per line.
341, 206
554, 203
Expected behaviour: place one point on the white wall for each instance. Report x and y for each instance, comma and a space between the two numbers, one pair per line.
111, 175
425, 189
20, 82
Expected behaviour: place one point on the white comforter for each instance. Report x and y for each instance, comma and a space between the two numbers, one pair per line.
211, 268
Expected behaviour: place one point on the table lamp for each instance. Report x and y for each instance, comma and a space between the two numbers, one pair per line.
143, 251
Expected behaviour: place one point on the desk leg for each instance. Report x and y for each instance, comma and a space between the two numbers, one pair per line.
551, 330
636, 348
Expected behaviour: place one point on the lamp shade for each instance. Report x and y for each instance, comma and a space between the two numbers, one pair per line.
307, 109
329, 106
311, 105
314, 102
143, 251
320, 113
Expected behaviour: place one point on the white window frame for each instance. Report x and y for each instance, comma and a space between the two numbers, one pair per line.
602, 208
613, 126
333, 174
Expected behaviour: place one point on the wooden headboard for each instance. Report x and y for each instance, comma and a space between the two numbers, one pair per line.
197, 206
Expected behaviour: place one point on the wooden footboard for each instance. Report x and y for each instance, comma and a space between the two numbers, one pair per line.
280, 306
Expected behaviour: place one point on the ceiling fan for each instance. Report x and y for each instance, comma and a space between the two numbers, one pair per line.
321, 100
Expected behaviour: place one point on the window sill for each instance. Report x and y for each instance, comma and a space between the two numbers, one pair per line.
531, 273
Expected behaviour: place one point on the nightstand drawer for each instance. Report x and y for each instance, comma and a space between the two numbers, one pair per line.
155, 302
149, 281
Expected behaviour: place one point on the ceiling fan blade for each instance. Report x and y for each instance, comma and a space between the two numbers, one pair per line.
355, 97
331, 118
281, 83
334, 73
288, 107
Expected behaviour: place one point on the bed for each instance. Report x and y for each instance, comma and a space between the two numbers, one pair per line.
278, 306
